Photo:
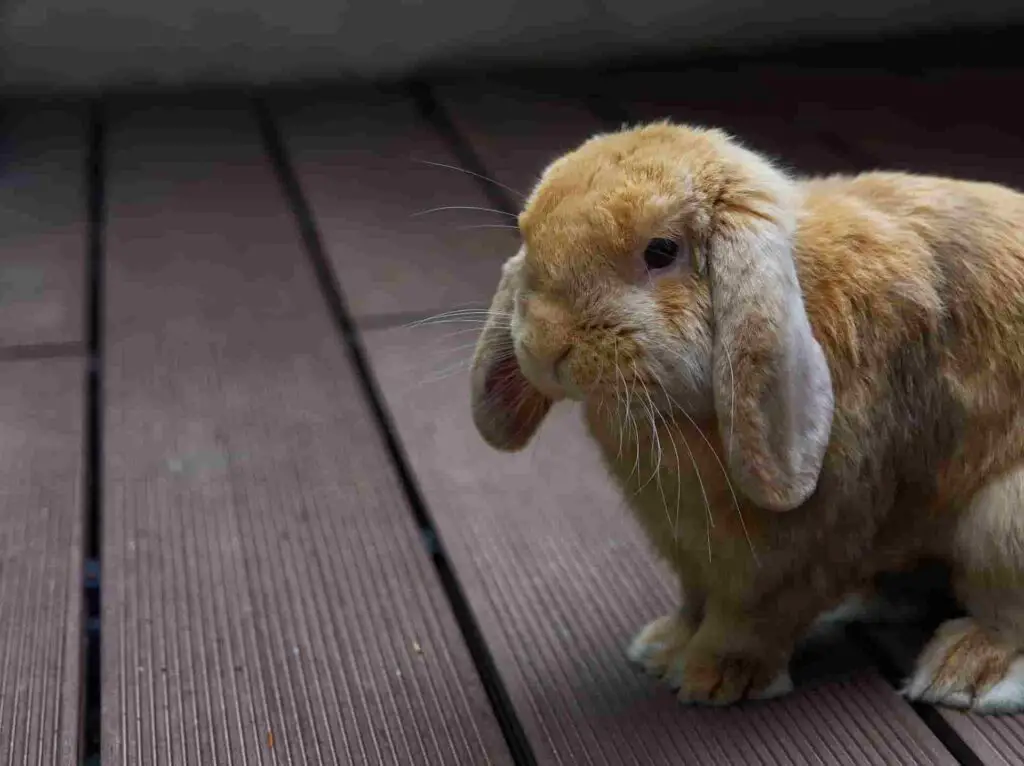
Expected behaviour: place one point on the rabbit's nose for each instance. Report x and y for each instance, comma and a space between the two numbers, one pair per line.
545, 356
544, 364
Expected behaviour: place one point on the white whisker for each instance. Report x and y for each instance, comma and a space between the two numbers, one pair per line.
467, 315
445, 208
456, 168
487, 226
725, 473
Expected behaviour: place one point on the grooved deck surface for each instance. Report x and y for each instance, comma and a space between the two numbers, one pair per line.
40, 560
42, 226
267, 598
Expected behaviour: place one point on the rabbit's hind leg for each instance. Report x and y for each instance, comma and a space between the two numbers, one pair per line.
977, 662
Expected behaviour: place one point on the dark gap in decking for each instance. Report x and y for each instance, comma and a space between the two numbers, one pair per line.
930, 714
93, 488
54, 350
504, 711
435, 114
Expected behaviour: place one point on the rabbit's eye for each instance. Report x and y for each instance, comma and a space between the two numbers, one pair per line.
660, 253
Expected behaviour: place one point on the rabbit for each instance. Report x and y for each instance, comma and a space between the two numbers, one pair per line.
798, 384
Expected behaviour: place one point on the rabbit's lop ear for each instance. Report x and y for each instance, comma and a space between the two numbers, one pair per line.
772, 387
507, 409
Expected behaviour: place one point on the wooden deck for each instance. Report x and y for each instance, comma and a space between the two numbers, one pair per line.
244, 515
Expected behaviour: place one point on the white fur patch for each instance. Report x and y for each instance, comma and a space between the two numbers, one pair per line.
921, 684
859, 609
640, 650
852, 609
781, 686
1007, 696
675, 673
646, 643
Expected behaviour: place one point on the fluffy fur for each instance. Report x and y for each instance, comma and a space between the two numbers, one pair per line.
827, 385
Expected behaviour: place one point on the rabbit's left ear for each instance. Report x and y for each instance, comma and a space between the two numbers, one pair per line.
772, 387
507, 409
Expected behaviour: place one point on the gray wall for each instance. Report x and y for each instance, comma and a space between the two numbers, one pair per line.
88, 43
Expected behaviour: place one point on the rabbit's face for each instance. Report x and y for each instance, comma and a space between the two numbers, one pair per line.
611, 301
657, 273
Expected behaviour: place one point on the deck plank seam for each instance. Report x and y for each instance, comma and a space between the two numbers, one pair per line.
434, 113
90, 745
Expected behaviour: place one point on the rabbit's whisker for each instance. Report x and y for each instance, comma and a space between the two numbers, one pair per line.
456, 168
445, 208
700, 481
482, 314
487, 226
648, 404
725, 473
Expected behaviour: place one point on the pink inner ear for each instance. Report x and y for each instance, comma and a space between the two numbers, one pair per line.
506, 387
509, 410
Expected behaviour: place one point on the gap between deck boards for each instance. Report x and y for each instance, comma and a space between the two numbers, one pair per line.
90, 742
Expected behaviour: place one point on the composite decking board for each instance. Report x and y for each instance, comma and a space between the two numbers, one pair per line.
560, 578
42, 225
372, 153
267, 595
41, 518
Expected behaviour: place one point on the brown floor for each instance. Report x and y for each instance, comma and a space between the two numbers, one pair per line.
307, 554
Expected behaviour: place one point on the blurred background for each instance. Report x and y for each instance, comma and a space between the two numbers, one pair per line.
50, 44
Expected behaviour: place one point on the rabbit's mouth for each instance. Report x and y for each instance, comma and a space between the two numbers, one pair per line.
550, 378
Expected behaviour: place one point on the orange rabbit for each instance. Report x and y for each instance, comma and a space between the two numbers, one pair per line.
799, 384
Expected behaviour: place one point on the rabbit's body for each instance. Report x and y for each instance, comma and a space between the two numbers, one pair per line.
845, 410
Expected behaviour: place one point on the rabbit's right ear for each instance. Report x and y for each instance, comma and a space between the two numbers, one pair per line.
773, 387
507, 409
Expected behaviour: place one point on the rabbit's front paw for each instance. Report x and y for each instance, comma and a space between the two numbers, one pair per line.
658, 648
709, 679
